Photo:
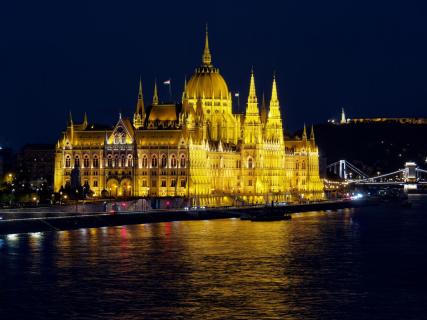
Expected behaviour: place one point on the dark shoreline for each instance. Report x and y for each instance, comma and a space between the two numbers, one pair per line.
97, 220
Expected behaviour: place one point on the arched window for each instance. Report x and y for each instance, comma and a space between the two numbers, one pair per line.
182, 161
123, 161
116, 161
154, 162
76, 162
250, 163
173, 161
123, 138
67, 161
110, 162
144, 161
95, 162
164, 161
297, 165
303, 165
130, 163
86, 161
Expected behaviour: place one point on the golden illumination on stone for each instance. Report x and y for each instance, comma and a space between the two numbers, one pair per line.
198, 150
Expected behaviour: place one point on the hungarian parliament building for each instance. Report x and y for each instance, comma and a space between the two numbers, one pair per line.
197, 150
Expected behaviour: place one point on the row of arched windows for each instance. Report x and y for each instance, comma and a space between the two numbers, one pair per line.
117, 161
127, 161
86, 161
163, 161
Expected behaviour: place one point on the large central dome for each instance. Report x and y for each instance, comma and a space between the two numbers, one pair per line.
206, 82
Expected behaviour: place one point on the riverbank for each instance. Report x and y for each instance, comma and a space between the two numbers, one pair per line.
96, 220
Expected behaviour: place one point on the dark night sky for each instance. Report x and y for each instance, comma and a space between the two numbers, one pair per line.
369, 57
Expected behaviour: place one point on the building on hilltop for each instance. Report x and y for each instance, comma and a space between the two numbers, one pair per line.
197, 149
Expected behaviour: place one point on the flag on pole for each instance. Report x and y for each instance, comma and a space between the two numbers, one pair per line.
237, 94
167, 82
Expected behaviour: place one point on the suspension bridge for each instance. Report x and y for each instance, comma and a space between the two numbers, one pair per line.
410, 176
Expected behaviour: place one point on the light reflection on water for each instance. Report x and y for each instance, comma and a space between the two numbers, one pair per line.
352, 264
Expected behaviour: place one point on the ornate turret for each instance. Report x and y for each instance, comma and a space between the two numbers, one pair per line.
139, 116
274, 126
252, 105
252, 125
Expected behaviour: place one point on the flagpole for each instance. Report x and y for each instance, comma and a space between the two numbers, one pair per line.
170, 89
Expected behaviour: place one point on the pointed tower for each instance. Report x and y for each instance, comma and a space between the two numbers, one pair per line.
343, 118
184, 95
274, 126
70, 119
70, 125
85, 122
252, 125
155, 96
207, 57
304, 133
139, 116
312, 133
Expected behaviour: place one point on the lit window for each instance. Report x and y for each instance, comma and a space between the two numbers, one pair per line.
173, 161
67, 161
95, 162
164, 161
86, 162
76, 162
250, 163
154, 162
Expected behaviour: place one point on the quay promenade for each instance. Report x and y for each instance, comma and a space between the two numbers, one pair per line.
23, 222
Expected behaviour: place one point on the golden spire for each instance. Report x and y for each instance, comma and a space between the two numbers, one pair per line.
207, 58
70, 118
85, 119
155, 97
312, 133
304, 133
140, 89
139, 115
252, 92
274, 111
252, 104
274, 90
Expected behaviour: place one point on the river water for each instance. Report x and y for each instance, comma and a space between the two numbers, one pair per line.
365, 263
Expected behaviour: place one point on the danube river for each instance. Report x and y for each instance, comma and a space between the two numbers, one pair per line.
365, 263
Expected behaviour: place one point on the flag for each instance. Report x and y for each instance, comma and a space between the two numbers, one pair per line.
237, 94
167, 82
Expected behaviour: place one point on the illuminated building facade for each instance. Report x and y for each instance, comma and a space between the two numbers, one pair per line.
197, 149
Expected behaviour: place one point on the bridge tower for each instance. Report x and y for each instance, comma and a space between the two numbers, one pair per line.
410, 172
